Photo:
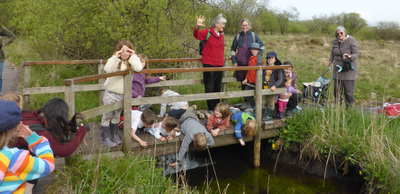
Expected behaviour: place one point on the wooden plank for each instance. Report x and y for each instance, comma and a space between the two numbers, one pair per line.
172, 70
127, 108
173, 146
91, 113
258, 101
189, 97
61, 62
201, 96
69, 96
61, 89
184, 82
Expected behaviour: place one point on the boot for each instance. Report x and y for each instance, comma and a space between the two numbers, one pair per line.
106, 137
115, 134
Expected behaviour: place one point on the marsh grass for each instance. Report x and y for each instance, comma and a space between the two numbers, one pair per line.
128, 174
369, 141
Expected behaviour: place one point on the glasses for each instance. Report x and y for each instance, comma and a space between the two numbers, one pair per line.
340, 33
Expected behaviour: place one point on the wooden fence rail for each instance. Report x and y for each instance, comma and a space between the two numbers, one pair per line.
72, 86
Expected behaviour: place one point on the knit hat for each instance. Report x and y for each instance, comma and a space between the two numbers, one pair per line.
10, 115
271, 54
254, 45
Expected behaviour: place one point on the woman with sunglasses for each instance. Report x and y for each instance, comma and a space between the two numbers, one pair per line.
343, 59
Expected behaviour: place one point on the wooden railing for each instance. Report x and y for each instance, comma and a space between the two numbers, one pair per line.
73, 85
128, 102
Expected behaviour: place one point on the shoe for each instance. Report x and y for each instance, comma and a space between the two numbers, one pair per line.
106, 137
107, 142
115, 134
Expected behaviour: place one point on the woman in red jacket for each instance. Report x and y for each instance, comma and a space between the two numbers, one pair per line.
212, 54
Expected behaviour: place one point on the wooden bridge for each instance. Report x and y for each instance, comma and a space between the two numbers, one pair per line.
73, 85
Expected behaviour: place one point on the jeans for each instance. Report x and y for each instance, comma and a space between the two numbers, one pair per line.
1, 75
212, 83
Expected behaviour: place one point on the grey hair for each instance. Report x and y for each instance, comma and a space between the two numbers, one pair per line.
245, 20
341, 28
219, 19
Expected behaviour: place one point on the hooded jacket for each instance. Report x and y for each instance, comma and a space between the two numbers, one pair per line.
190, 126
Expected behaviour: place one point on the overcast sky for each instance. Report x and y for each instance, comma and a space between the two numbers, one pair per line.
372, 11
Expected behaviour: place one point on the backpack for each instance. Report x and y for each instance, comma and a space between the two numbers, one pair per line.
202, 43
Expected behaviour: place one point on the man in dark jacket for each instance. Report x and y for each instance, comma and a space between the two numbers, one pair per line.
6, 37
343, 59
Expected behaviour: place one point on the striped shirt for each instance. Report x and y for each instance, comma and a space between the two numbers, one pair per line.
18, 166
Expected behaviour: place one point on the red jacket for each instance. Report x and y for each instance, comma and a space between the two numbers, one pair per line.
251, 74
213, 51
59, 149
214, 122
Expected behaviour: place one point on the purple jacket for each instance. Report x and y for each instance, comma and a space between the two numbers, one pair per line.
138, 83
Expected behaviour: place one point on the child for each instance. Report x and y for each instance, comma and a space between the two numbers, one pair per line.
194, 132
19, 166
166, 129
250, 80
140, 119
240, 118
175, 107
14, 97
123, 58
140, 80
290, 73
283, 99
294, 98
219, 120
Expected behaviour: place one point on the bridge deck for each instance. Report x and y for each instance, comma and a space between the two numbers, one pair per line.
92, 143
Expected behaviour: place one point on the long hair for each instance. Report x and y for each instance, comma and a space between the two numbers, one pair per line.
7, 136
56, 114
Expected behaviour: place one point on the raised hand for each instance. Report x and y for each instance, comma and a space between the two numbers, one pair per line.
23, 131
200, 20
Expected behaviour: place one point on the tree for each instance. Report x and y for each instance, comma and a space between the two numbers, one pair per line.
388, 30
353, 22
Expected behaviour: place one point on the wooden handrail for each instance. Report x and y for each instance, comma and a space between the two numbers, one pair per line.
102, 61
77, 80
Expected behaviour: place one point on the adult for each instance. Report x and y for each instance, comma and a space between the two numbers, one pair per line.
240, 48
212, 54
51, 121
6, 37
343, 59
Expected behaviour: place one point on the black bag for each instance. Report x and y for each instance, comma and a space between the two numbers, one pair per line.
346, 66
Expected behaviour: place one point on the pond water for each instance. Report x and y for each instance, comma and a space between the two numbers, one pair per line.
235, 174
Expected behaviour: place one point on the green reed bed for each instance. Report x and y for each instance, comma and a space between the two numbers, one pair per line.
367, 140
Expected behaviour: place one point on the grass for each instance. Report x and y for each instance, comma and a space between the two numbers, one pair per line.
128, 174
369, 141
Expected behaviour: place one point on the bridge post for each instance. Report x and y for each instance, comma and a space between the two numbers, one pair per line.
258, 99
69, 96
100, 70
25, 81
127, 108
